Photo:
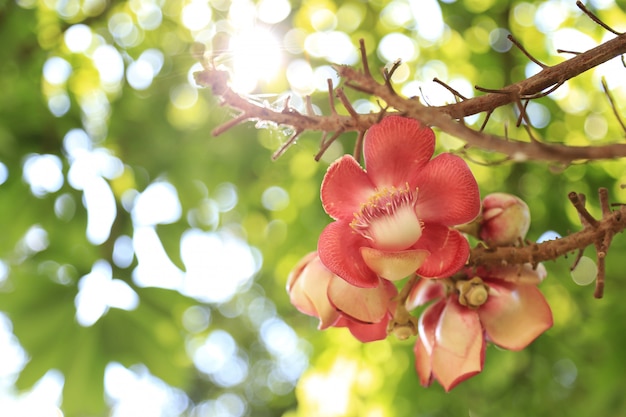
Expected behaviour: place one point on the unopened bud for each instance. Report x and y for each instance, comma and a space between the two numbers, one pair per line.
505, 220
472, 293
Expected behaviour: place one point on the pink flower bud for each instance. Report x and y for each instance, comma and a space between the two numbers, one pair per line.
505, 220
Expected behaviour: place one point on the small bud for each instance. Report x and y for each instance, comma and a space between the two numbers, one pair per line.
472, 293
505, 220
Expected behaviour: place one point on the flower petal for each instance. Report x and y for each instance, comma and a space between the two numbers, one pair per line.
396, 149
345, 187
457, 328
393, 265
366, 332
459, 350
427, 324
339, 250
424, 291
524, 274
448, 192
448, 249
450, 370
307, 291
368, 305
514, 315
423, 363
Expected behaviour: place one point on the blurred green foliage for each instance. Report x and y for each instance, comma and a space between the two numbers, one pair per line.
229, 188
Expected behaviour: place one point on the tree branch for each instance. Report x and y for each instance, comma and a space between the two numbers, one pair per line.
442, 117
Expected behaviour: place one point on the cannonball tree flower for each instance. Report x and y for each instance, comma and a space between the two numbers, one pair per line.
395, 217
502, 306
505, 220
317, 292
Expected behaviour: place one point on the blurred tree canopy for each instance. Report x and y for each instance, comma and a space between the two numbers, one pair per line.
143, 261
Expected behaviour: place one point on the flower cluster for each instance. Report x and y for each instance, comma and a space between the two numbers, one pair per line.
400, 217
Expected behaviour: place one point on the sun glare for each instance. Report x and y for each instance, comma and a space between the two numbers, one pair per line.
256, 57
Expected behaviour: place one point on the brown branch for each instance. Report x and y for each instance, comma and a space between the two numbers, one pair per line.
544, 79
599, 233
442, 117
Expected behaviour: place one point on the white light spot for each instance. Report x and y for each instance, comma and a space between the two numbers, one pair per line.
4, 173
428, 17
585, 271
59, 104
217, 265
154, 267
256, 57
396, 46
149, 16
97, 291
36, 239
275, 198
109, 63
548, 235
56, 70
139, 74
157, 204
273, 11
101, 209
196, 15
43, 174
78, 38
137, 393
123, 253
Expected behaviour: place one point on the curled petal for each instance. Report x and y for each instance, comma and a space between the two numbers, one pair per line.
393, 265
448, 249
339, 250
307, 290
345, 187
369, 305
424, 291
427, 325
396, 149
365, 332
448, 192
423, 363
514, 315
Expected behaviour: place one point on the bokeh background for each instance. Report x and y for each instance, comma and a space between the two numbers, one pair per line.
143, 261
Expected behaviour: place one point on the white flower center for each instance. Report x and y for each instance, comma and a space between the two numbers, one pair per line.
389, 219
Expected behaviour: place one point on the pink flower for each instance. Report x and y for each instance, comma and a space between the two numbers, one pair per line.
501, 306
395, 218
505, 220
317, 292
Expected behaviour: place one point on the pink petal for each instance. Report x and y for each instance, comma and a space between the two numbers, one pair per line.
448, 249
368, 305
396, 149
450, 370
524, 274
427, 324
307, 292
339, 249
393, 265
514, 315
345, 187
424, 291
423, 363
459, 350
366, 332
448, 193
457, 328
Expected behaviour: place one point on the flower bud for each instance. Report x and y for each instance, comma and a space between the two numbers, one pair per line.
307, 288
505, 220
472, 293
